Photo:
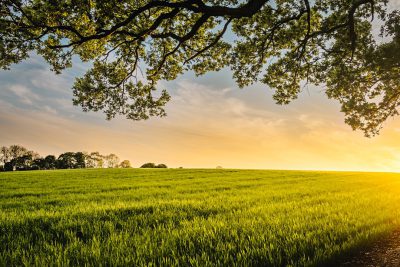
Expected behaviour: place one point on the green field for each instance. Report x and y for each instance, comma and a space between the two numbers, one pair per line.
192, 217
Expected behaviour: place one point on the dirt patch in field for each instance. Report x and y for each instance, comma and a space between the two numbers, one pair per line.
383, 253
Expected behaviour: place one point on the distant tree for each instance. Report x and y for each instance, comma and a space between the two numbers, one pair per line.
66, 161
148, 165
47, 163
125, 164
8, 167
111, 161
95, 160
33, 154
17, 151
219, 167
23, 163
2, 160
5, 155
90, 160
71, 160
18, 157
100, 162
50, 162
38, 164
80, 160
161, 166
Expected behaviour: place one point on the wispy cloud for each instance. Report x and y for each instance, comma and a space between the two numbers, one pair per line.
23, 94
210, 122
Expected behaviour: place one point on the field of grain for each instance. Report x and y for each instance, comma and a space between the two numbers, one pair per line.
192, 217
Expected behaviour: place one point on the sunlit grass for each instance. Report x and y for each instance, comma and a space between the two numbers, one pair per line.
192, 217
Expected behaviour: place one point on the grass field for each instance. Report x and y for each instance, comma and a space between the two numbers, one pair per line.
191, 217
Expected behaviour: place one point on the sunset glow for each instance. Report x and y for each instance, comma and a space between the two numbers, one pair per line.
210, 122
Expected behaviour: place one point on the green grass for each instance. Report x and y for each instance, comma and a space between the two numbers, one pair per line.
191, 217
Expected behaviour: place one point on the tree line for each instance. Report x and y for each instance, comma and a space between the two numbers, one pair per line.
18, 158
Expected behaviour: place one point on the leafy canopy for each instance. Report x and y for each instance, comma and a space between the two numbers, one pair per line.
281, 43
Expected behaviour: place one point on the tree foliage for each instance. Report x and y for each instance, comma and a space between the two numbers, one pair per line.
67, 160
282, 44
5, 155
50, 162
17, 157
125, 164
112, 160
23, 162
148, 165
163, 166
153, 165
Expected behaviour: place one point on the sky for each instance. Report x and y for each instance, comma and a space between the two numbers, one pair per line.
210, 122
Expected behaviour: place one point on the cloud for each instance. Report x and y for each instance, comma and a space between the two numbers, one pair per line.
31, 86
208, 124
24, 95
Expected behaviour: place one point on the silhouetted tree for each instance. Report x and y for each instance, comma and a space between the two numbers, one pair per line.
125, 164
17, 151
111, 161
8, 167
148, 165
50, 162
38, 164
17, 157
5, 155
33, 154
66, 161
79, 160
23, 163
161, 166
95, 160
90, 160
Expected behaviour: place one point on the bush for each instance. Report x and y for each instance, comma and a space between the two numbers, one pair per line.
148, 165
161, 166
8, 167
153, 165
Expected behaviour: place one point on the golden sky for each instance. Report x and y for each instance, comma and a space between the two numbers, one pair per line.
210, 122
